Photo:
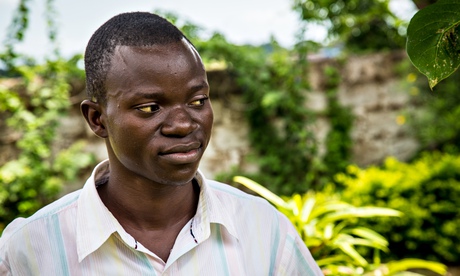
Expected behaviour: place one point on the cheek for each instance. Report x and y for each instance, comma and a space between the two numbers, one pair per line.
123, 132
207, 124
207, 119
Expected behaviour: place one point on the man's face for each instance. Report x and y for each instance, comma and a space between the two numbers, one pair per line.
158, 114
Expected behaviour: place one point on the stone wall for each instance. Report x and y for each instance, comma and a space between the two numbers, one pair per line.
379, 100
370, 88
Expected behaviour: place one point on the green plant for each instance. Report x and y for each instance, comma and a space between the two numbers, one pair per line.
435, 120
360, 25
338, 140
426, 190
433, 40
328, 227
33, 111
35, 178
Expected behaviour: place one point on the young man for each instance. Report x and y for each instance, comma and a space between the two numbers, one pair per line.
147, 210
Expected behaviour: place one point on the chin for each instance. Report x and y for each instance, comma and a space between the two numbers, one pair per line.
178, 177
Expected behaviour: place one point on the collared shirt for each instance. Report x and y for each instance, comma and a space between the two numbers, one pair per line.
232, 233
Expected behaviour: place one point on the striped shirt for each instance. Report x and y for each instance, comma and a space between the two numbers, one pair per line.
232, 233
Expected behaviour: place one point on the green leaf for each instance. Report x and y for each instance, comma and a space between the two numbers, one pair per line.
331, 260
433, 40
370, 235
406, 264
360, 212
261, 190
351, 251
343, 238
328, 207
307, 208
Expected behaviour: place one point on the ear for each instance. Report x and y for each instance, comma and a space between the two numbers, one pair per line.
92, 112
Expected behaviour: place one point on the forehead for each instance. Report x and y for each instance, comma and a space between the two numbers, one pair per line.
133, 57
158, 67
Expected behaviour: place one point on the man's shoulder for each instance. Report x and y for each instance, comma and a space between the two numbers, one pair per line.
39, 220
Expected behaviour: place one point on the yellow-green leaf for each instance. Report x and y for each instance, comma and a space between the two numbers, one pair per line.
261, 190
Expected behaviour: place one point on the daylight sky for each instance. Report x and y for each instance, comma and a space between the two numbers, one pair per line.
241, 21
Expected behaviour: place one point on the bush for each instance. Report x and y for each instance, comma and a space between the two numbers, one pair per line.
333, 232
437, 126
37, 175
427, 191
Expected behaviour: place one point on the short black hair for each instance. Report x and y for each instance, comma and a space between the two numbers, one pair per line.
126, 29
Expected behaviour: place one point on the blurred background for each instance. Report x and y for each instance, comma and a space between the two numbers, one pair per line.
312, 99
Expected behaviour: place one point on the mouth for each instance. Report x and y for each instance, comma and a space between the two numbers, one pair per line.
182, 153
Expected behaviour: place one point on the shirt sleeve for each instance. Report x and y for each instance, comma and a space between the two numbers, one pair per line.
5, 258
4, 268
294, 256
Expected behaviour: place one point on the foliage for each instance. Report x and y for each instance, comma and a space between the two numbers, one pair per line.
436, 123
427, 191
338, 140
433, 40
33, 111
16, 34
35, 178
327, 226
359, 24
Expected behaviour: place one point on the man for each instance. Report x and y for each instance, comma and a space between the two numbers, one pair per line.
147, 210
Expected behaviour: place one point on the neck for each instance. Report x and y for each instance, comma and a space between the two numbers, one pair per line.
148, 206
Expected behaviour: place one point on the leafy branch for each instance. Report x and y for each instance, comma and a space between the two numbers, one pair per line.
433, 40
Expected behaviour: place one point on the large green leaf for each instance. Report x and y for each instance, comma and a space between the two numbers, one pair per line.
359, 212
331, 260
351, 251
307, 208
406, 264
433, 40
261, 190
370, 235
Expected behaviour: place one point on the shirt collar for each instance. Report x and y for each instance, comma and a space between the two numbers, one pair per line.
95, 223
211, 209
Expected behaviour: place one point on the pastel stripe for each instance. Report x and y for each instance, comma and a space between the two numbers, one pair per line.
221, 250
58, 246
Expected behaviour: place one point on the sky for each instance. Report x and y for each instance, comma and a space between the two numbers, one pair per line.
241, 21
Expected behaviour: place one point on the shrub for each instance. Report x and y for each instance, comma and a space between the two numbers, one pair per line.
37, 175
427, 191
328, 227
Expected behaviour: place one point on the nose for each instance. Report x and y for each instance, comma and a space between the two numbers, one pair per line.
178, 123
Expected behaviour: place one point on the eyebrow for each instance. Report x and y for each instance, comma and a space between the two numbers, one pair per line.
199, 87
159, 94
149, 95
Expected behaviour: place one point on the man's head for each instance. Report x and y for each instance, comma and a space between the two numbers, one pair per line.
152, 95
126, 29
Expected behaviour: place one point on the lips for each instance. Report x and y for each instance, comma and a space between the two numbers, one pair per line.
182, 153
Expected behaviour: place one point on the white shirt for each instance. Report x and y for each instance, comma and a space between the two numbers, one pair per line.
232, 233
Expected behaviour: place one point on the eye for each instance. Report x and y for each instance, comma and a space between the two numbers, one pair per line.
198, 102
152, 108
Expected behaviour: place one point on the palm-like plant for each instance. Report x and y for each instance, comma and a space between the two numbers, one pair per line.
328, 227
